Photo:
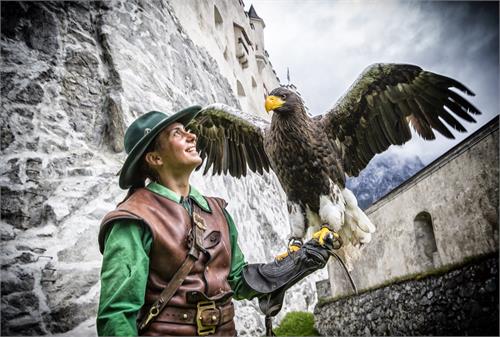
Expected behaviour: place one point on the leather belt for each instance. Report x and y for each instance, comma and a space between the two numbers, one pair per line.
214, 316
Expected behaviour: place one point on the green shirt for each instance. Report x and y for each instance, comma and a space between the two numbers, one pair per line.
125, 267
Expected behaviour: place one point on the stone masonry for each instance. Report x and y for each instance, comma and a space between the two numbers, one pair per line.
74, 75
461, 302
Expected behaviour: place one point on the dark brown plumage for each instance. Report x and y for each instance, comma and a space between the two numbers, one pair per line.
311, 156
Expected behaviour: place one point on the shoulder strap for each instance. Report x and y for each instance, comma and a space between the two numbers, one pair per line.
198, 227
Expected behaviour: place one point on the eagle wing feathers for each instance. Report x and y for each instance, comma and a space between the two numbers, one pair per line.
384, 101
229, 140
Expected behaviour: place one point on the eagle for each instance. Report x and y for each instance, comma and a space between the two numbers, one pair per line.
312, 156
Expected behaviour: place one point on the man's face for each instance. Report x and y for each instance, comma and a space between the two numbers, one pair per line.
177, 148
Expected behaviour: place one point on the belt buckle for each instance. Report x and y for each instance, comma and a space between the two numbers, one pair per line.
204, 330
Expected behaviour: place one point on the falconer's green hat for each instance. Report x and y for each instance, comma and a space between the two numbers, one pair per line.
141, 133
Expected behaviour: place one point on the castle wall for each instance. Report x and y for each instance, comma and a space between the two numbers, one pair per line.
431, 268
460, 302
459, 192
236, 42
74, 76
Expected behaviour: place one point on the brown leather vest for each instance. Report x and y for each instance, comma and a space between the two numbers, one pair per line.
170, 225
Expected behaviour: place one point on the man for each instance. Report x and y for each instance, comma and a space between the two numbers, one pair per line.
171, 261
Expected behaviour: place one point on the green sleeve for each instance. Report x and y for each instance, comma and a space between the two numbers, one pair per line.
124, 275
235, 279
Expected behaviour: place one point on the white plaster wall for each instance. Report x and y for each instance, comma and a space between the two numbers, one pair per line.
197, 18
461, 195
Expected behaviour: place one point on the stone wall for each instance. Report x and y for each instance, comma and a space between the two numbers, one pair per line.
460, 302
236, 42
74, 75
445, 214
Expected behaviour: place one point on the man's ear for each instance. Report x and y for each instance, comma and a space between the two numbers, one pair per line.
153, 159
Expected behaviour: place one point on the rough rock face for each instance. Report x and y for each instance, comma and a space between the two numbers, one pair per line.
74, 75
461, 302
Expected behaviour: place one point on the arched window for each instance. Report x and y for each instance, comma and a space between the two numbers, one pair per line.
239, 88
217, 17
425, 240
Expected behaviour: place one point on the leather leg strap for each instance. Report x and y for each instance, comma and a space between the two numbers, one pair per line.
269, 326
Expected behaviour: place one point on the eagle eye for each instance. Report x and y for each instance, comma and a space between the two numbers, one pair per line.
283, 96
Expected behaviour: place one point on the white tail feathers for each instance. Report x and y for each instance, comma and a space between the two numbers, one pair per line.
357, 230
356, 214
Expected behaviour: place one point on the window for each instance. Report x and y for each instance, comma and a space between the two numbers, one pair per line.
242, 45
425, 240
266, 92
217, 17
239, 88
254, 84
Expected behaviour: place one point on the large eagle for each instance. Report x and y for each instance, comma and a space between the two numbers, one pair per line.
312, 156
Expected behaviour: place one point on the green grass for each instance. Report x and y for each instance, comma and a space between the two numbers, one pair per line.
297, 323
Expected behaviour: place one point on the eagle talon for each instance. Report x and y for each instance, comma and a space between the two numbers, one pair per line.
327, 237
321, 235
293, 246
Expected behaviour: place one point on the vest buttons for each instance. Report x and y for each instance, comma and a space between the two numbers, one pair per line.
185, 316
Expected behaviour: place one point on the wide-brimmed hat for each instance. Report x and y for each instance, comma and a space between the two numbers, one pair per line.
141, 133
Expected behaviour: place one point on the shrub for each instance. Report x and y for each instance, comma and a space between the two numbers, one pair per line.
297, 323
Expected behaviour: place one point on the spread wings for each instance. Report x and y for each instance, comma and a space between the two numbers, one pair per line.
230, 140
379, 107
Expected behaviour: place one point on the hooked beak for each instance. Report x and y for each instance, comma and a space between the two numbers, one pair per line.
273, 102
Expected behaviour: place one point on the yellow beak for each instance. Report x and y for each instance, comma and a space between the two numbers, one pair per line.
273, 102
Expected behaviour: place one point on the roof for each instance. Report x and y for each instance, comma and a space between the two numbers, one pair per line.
253, 14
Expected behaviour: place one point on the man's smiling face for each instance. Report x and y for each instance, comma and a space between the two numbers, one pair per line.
177, 148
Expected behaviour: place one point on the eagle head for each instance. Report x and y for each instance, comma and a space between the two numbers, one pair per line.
283, 100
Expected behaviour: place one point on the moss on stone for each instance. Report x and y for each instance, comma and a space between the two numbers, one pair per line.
410, 277
297, 323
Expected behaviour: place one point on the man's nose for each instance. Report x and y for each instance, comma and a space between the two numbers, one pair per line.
191, 136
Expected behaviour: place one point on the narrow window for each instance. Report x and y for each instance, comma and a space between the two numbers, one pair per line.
254, 84
217, 18
239, 88
425, 239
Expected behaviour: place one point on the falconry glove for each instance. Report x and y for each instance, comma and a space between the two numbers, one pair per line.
273, 279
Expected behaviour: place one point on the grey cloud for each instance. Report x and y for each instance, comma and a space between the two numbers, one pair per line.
327, 44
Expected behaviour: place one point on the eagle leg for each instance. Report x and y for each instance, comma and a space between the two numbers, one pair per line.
294, 245
332, 208
297, 219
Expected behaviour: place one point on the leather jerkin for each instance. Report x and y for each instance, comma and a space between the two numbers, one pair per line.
170, 225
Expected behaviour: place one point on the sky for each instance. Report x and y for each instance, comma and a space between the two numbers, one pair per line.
326, 44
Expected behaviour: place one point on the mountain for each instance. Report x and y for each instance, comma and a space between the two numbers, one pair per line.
384, 173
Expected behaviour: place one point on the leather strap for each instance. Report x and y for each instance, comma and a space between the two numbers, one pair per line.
198, 227
222, 314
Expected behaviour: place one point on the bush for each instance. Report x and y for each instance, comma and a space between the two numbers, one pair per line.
297, 323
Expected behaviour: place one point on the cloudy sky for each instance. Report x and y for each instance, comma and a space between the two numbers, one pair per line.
327, 44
